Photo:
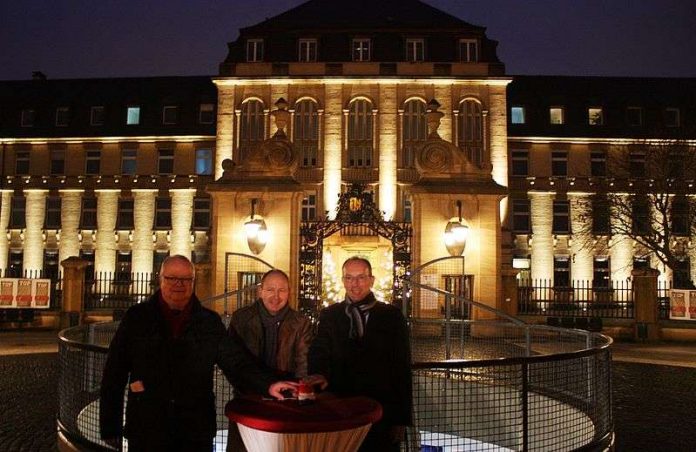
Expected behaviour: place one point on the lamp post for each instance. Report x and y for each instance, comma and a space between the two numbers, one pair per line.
256, 231
456, 233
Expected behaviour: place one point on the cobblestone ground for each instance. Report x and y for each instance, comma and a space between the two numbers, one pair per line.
653, 405
28, 402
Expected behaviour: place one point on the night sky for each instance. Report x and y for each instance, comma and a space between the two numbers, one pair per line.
117, 38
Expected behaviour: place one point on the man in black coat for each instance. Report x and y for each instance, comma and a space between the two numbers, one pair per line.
362, 348
166, 350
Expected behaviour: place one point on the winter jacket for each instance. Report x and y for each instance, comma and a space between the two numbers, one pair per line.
294, 336
177, 374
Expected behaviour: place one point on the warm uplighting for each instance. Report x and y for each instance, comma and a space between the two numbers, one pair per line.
256, 231
456, 233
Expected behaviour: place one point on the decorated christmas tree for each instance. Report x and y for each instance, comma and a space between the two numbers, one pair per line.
331, 284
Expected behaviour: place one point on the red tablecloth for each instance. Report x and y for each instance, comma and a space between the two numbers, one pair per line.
327, 414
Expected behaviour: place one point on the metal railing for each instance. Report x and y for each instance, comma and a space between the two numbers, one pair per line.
494, 384
118, 290
579, 299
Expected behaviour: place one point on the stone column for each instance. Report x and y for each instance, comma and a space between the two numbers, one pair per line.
542, 238
70, 210
5, 205
443, 94
333, 114
107, 211
582, 264
645, 304
33, 234
182, 214
621, 254
73, 290
224, 141
387, 150
143, 219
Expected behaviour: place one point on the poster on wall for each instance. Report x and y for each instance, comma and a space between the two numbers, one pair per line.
25, 293
682, 304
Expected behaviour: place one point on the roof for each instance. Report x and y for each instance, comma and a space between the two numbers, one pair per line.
359, 14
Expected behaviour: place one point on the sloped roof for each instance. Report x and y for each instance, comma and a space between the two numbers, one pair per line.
359, 14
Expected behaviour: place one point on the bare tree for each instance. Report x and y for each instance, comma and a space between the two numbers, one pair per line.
649, 195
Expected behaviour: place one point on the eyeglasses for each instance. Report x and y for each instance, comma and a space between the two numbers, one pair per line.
359, 278
174, 280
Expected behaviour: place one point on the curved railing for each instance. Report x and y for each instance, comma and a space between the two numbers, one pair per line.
493, 384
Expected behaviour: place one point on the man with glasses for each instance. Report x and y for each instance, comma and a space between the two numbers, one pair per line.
276, 334
362, 348
166, 350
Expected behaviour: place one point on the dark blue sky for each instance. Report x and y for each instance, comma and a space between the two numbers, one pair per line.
112, 38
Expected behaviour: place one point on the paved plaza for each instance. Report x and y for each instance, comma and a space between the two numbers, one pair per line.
654, 390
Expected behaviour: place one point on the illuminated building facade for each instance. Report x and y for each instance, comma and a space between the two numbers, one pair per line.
409, 103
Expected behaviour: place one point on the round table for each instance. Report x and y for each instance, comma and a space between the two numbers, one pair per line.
329, 423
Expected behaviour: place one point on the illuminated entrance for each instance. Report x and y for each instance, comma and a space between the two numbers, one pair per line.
359, 229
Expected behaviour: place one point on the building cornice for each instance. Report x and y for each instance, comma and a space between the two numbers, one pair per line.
603, 140
108, 139
235, 81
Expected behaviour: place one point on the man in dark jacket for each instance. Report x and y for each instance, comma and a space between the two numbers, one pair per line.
362, 348
166, 349
273, 332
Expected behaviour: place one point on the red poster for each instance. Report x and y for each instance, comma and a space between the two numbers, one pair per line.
24, 293
6, 293
41, 293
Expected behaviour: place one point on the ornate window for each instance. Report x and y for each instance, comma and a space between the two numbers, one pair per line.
360, 134
306, 132
252, 127
413, 131
470, 126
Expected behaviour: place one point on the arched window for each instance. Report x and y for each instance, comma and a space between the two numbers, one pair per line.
252, 127
360, 134
413, 131
470, 128
306, 132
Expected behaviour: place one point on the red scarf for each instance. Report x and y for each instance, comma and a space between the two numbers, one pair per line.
176, 319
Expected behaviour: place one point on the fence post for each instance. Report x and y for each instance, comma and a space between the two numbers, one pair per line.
510, 294
645, 304
73, 291
203, 280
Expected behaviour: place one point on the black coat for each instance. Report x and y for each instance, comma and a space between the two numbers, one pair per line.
376, 366
177, 373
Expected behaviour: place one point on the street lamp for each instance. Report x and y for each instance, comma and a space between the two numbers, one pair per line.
456, 233
256, 231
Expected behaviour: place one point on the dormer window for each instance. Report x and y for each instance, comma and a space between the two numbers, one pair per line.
415, 50
672, 118
361, 49
254, 50
96, 116
62, 116
308, 50
634, 116
28, 117
595, 116
170, 114
556, 115
468, 50
133, 116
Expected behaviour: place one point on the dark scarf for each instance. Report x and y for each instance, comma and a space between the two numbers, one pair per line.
358, 312
271, 325
176, 319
